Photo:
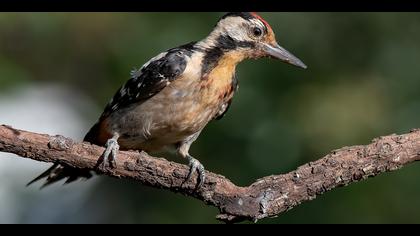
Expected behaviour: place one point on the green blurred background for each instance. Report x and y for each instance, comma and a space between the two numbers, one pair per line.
58, 70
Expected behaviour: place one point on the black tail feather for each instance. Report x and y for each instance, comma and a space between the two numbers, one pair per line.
58, 172
43, 175
93, 134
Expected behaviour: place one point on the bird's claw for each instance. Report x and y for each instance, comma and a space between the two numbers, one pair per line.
195, 165
110, 154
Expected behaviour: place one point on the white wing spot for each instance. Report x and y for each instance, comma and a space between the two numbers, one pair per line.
159, 56
135, 74
123, 91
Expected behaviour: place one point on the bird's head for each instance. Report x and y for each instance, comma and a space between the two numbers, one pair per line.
248, 35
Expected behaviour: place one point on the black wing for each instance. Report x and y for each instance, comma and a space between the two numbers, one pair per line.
151, 78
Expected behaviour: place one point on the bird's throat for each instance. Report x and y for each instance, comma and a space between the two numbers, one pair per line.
219, 80
224, 65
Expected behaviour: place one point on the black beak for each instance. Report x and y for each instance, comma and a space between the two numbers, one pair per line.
280, 53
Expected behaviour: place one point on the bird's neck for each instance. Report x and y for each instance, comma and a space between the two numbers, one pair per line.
212, 40
230, 59
219, 52
218, 82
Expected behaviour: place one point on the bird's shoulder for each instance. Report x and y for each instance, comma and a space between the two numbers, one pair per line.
151, 78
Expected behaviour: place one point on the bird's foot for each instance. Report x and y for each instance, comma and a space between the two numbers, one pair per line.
195, 165
110, 154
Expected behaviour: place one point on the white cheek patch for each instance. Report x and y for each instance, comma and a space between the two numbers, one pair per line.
239, 34
237, 28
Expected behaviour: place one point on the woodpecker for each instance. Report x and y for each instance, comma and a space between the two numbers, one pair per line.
172, 97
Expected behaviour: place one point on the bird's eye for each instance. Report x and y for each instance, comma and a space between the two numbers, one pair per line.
257, 32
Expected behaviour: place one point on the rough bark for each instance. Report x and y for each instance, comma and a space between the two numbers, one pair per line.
267, 197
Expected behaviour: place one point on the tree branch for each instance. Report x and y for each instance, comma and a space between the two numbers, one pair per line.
267, 197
